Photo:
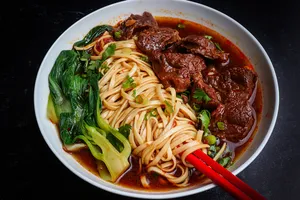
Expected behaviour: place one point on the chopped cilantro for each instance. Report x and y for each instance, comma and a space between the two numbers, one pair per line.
208, 37
218, 46
201, 95
204, 116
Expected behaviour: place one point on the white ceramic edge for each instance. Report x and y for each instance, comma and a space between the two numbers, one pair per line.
183, 193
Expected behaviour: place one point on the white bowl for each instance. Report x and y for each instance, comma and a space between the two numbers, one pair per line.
175, 8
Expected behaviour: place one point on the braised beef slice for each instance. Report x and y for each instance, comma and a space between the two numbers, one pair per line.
231, 82
198, 44
177, 70
244, 77
193, 63
136, 23
156, 39
237, 117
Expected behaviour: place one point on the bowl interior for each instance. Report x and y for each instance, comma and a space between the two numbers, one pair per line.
180, 9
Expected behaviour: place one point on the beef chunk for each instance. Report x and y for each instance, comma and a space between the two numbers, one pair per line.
238, 119
238, 112
193, 63
136, 23
235, 86
245, 78
231, 82
200, 45
177, 70
156, 39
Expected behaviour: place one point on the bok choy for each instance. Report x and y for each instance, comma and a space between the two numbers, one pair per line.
75, 105
92, 34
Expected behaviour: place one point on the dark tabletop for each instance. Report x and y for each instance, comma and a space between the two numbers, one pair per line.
31, 171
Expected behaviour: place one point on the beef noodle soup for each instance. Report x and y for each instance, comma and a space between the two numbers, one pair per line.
132, 101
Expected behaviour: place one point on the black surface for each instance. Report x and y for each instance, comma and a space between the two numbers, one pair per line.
31, 171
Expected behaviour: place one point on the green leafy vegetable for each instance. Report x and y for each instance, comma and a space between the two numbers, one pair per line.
200, 95
92, 34
129, 83
204, 116
115, 142
67, 93
85, 56
125, 130
75, 104
181, 26
74, 87
103, 150
94, 64
221, 126
65, 59
68, 127
208, 37
106, 142
51, 111
218, 46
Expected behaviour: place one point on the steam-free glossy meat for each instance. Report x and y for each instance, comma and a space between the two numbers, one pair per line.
237, 117
198, 44
156, 40
136, 23
231, 82
177, 70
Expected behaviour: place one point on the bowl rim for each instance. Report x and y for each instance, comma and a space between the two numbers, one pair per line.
181, 193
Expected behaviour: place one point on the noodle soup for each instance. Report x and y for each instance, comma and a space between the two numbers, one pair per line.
162, 119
